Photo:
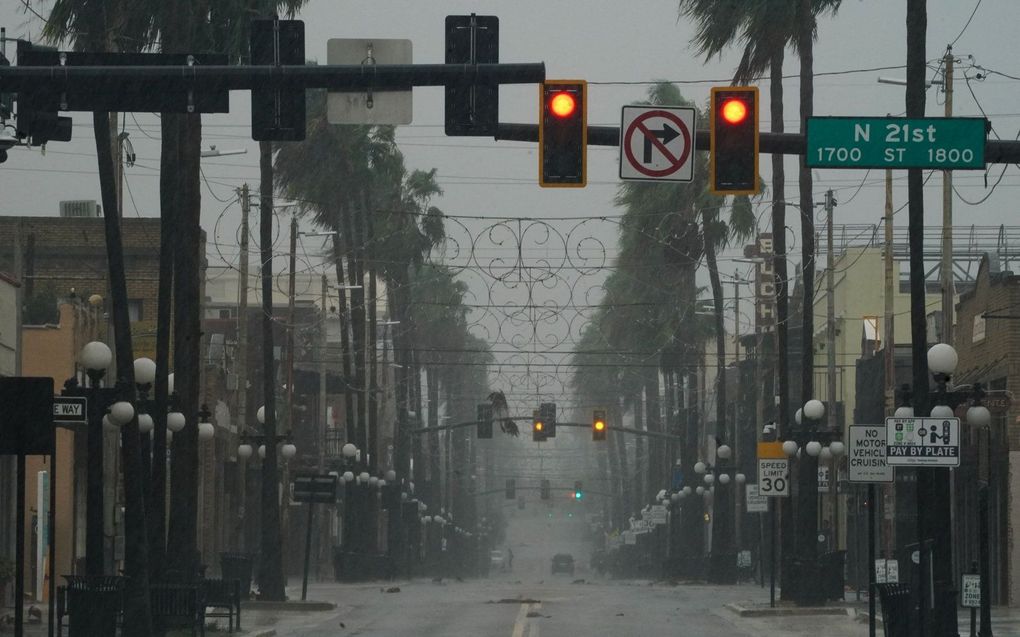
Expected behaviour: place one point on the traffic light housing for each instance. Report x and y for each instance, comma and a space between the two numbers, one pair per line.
484, 412
472, 109
563, 134
37, 120
545, 489
733, 126
598, 425
537, 428
578, 491
277, 114
511, 489
547, 413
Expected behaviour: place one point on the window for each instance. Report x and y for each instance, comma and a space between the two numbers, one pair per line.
134, 310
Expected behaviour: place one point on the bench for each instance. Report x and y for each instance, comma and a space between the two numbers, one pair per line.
178, 606
224, 597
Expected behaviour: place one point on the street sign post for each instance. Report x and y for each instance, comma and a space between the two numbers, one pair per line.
823, 478
657, 143
971, 591
658, 514
945, 143
773, 470
866, 457
755, 502
929, 442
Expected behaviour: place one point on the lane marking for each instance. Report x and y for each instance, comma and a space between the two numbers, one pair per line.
532, 621
522, 621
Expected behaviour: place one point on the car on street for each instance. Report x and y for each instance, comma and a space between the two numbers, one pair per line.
496, 560
563, 563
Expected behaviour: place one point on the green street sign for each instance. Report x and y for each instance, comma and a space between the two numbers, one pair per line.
946, 143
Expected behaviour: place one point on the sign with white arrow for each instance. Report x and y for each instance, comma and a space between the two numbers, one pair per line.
657, 143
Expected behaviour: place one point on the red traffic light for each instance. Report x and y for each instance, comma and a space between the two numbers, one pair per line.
563, 104
734, 111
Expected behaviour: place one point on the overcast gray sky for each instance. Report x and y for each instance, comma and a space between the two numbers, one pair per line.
604, 42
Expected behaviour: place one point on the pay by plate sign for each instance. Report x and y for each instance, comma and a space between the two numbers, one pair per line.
933, 442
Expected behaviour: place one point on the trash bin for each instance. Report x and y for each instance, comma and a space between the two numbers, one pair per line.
237, 566
897, 610
94, 604
804, 578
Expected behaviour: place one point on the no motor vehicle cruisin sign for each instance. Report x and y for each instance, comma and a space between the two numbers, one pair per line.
866, 457
933, 442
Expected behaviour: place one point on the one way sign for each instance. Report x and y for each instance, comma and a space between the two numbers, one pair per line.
657, 143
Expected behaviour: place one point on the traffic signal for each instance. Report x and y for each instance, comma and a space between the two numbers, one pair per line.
733, 126
578, 491
37, 120
547, 413
537, 428
563, 134
277, 114
545, 489
511, 489
472, 109
484, 420
598, 425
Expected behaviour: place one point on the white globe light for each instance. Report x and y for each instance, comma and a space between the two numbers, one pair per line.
206, 431
363, 476
244, 451
145, 371
260, 415
403, 495
740, 478
169, 436
979, 416
724, 452
904, 412
373, 481
427, 519
941, 411
145, 424
699, 467
724, 478
813, 448
262, 452
682, 493
348, 476
707, 494
790, 447
381, 484
175, 421
121, 413
95, 356
288, 451
170, 383
709, 478
349, 450
837, 447
826, 454
700, 490
798, 416
942, 359
391, 475
674, 497
814, 409
687, 490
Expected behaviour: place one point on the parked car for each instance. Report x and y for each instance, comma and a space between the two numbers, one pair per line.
563, 563
496, 560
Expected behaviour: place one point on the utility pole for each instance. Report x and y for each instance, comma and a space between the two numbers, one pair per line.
323, 343
241, 358
830, 314
947, 218
291, 285
889, 351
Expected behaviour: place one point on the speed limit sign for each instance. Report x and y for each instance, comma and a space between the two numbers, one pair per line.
774, 477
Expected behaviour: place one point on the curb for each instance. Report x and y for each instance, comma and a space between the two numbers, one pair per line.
290, 606
271, 632
786, 611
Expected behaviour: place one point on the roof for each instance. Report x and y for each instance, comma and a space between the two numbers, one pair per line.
10, 279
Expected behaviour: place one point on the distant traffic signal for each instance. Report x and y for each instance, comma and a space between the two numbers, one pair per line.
598, 425
578, 491
277, 114
545, 489
563, 134
537, 428
733, 125
484, 420
547, 413
511, 489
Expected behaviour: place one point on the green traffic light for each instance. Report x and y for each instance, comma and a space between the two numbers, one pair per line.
578, 495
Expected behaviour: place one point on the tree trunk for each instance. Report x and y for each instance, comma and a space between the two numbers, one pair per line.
615, 478
372, 386
653, 423
620, 448
640, 457
137, 615
271, 580
434, 470
345, 340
